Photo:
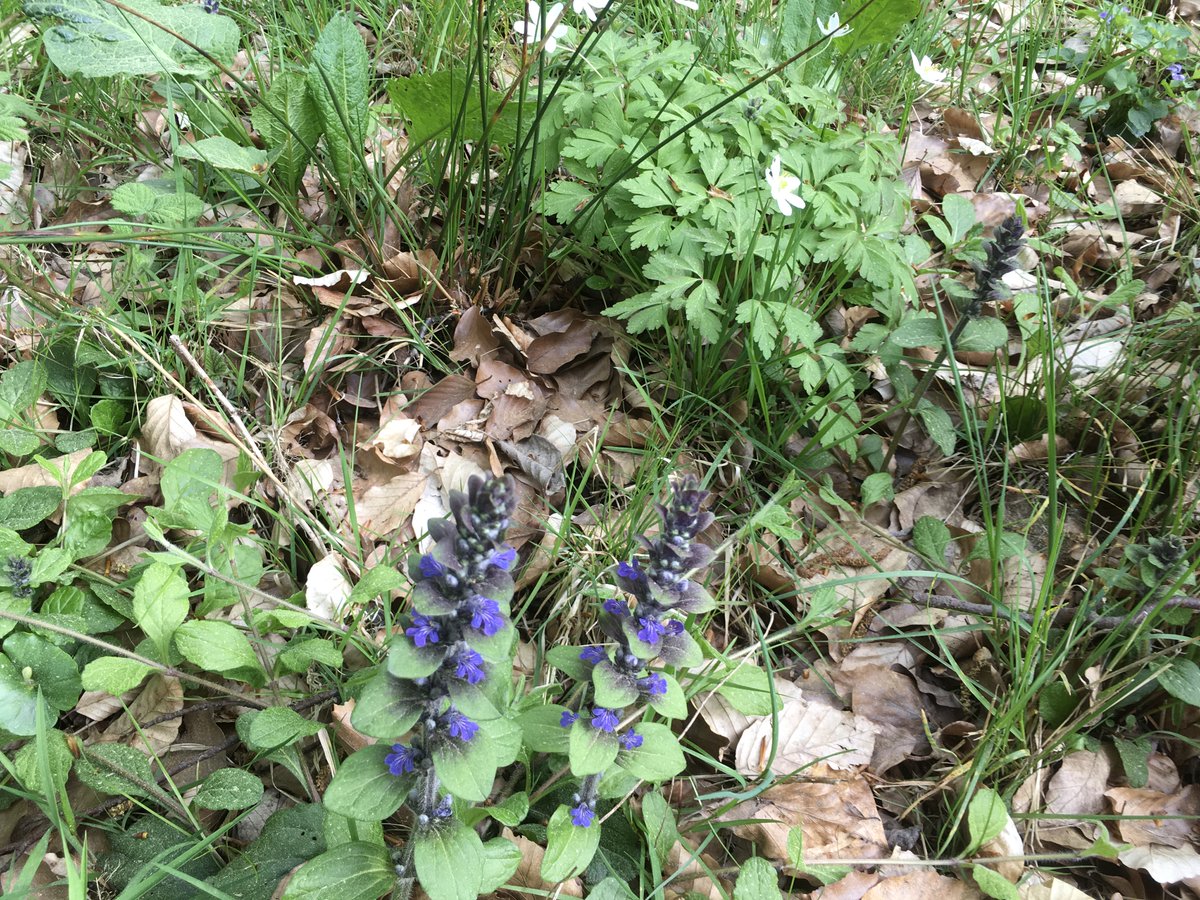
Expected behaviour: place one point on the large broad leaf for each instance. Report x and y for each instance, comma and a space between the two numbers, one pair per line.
446, 104
222, 153
96, 39
450, 861
288, 121
18, 700
569, 847
338, 81
356, 871
364, 789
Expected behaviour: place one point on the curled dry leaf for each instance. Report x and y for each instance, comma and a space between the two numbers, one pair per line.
170, 426
1151, 817
891, 703
724, 724
1166, 865
382, 509
1006, 844
398, 438
805, 733
838, 818
327, 589
340, 278
1077, 789
160, 695
1045, 887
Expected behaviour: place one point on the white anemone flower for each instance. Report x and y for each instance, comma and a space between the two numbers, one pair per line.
532, 30
785, 188
589, 9
928, 72
834, 27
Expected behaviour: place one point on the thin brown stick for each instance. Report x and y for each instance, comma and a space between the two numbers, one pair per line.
1107, 623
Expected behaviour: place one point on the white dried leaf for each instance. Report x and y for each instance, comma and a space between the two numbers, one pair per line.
328, 589
805, 734
354, 276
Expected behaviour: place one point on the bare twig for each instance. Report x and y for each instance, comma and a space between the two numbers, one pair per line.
1107, 623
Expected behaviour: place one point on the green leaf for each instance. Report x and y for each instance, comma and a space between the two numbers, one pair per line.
20, 386
501, 859
658, 758
117, 769
339, 81
1135, 759
542, 729
406, 660
566, 659
994, 884
569, 848
229, 789
672, 704
96, 39
612, 688
278, 726
444, 104
919, 331
1181, 679
114, 675
466, 770
652, 231
982, 335
299, 655
937, 422
959, 213
222, 153
589, 749
159, 203
877, 487
826, 874
160, 604
986, 817
107, 416
289, 124
747, 688
757, 880
659, 819
89, 519
188, 484
219, 647
53, 671
18, 701
58, 760
354, 871
880, 23
386, 708
450, 861
930, 537
364, 789
29, 506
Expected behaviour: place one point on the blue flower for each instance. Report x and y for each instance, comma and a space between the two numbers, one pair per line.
445, 807
615, 607
401, 760
212, 7
430, 567
1176, 70
674, 627
651, 631
568, 719
605, 719
423, 630
1105, 16
486, 616
503, 558
468, 665
631, 570
653, 684
459, 725
631, 740
593, 655
582, 815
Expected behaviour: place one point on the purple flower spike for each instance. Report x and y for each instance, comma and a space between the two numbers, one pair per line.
468, 665
568, 719
430, 567
486, 616
631, 740
593, 655
423, 630
459, 725
401, 760
651, 630
653, 684
631, 570
582, 815
503, 558
605, 719
615, 607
